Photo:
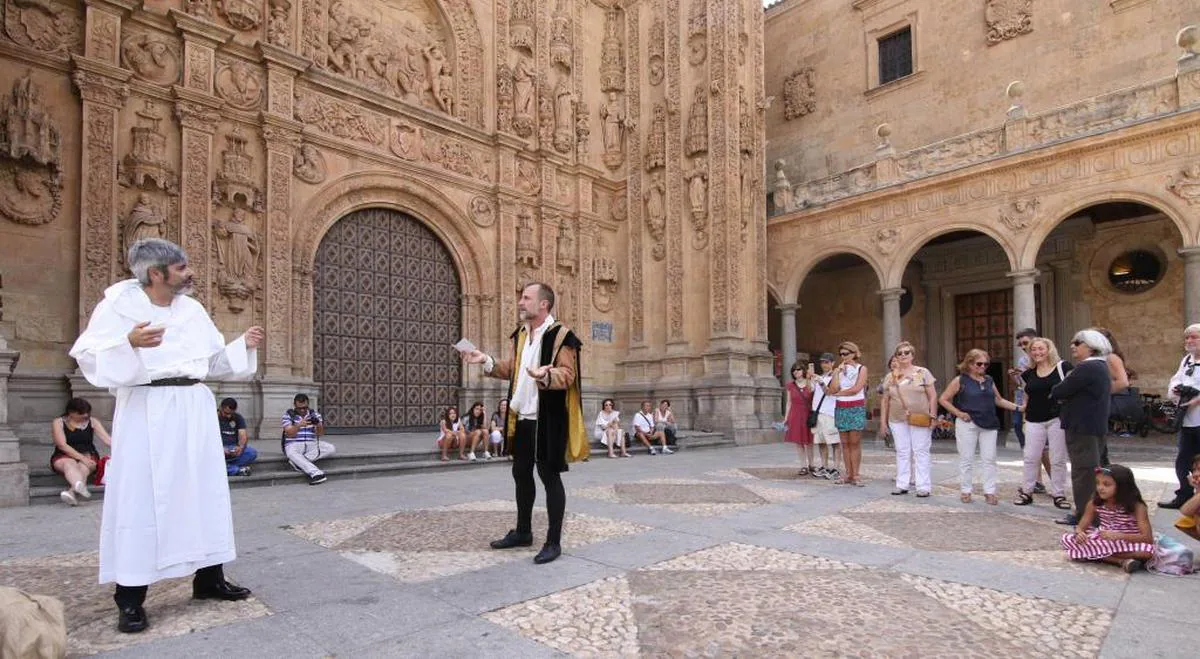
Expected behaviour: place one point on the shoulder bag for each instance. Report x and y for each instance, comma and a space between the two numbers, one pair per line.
917, 419
813, 414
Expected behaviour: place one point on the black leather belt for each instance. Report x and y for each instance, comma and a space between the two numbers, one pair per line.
172, 382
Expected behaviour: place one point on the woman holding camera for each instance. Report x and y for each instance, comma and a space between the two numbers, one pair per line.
909, 405
1185, 382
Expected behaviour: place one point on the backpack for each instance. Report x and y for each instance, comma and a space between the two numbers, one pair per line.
1170, 557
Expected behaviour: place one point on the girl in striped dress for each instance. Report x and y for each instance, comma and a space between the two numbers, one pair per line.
1124, 537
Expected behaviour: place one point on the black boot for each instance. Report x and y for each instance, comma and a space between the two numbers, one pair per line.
512, 539
131, 617
210, 583
548, 553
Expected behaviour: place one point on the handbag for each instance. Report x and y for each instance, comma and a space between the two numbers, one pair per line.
811, 422
918, 419
1170, 557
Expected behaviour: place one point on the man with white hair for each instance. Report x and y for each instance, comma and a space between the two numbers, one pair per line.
166, 504
1186, 381
1085, 394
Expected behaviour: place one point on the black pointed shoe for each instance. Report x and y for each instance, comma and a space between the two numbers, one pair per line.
222, 590
513, 539
548, 553
131, 619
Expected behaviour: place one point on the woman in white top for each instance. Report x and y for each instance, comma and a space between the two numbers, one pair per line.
452, 434
608, 428
850, 413
664, 420
1188, 375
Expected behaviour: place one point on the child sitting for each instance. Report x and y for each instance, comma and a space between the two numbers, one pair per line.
1124, 537
1190, 510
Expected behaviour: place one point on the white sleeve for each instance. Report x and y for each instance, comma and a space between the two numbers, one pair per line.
104, 354
1176, 380
235, 362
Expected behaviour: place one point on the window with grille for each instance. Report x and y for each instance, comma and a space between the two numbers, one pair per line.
895, 56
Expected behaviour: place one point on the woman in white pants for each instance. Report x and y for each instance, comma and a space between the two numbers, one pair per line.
1042, 425
972, 398
909, 403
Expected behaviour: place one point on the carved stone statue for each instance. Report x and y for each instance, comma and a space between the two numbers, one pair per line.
237, 249
583, 130
612, 58
347, 33
783, 189
440, 81
564, 119
28, 129
279, 30
656, 207
30, 156
504, 97
698, 192
656, 141
524, 86
604, 277
527, 247
545, 100
144, 221
612, 113
565, 245
697, 127
560, 35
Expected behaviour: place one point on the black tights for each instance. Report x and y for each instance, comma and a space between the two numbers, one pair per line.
130, 596
522, 471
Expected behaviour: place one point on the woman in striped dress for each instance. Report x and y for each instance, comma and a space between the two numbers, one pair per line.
1124, 537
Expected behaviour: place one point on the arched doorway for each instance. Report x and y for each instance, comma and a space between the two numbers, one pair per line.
386, 311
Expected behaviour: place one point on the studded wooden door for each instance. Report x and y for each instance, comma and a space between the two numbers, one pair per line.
386, 297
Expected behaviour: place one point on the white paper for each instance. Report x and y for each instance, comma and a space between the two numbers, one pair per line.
464, 346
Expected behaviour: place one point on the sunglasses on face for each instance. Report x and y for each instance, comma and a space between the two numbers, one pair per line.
845, 354
1077, 343
904, 353
982, 363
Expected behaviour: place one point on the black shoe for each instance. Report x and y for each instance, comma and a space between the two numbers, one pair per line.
1069, 520
548, 553
316, 479
898, 492
131, 620
513, 539
1173, 504
223, 590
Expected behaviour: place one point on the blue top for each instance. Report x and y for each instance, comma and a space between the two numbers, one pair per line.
979, 400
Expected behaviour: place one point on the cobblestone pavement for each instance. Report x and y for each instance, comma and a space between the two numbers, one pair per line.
722, 553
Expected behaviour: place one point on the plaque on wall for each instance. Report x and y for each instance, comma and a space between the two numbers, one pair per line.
602, 331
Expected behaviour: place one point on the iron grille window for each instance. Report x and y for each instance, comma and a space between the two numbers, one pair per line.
895, 56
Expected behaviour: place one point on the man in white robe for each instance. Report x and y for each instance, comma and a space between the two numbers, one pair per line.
166, 501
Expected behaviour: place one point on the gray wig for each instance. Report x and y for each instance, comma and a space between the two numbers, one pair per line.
1095, 342
153, 253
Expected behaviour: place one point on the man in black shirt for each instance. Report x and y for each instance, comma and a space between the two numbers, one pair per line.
238, 454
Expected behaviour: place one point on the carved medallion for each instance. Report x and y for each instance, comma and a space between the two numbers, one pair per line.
1186, 184
151, 58
406, 141
308, 164
1007, 19
30, 156
886, 240
51, 26
799, 98
240, 85
1018, 215
482, 211
243, 15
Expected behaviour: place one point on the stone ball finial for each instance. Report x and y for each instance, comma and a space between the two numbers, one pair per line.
1015, 90
883, 131
1186, 39
779, 165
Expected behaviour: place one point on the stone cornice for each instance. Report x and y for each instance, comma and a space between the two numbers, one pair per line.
100, 82
123, 7
199, 29
101, 68
32, 58
274, 55
427, 171
197, 110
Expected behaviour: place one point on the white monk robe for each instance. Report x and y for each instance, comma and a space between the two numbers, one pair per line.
166, 500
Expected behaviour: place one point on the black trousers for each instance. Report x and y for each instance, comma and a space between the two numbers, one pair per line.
1189, 447
130, 596
522, 471
1084, 453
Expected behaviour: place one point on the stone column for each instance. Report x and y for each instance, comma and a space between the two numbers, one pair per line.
787, 316
1024, 304
1191, 284
14, 474
933, 328
1063, 304
891, 319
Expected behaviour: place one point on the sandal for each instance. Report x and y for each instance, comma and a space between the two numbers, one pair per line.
803, 471
991, 499
1061, 503
1131, 565
965, 498
1023, 499
843, 481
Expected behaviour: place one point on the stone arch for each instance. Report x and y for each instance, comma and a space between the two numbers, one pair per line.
791, 291
895, 271
1071, 205
390, 190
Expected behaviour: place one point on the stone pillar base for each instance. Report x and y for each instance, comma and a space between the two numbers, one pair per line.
14, 485
275, 397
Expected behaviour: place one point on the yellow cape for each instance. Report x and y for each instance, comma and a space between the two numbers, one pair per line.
578, 446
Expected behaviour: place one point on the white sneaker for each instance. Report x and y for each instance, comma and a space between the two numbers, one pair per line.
68, 497
667, 450
653, 451
487, 456
82, 490
471, 456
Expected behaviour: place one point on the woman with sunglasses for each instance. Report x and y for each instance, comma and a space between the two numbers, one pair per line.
907, 408
75, 455
850, 413
1042, 426
1085, 395
972, 398
799, 406
1188, 375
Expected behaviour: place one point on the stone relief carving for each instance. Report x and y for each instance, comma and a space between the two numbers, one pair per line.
242, 15
240, 85
199, 67
583, 130
698, 32
799, 98
237, 254
948, 154
656, 215
1186, 184
504, 97
604, 278
146, 165
483, 213
308, 164
406, 140
102, 40
782, 195
527, 245
565, 245
145, 220
697, 179
655, 47
612, 56
656, 140
1103, 113
529, 182
1007, 19
697, 126
520, 25
339, 118
750, 190
452, 155
30, 156
151, 58
615, 124
1018, 215
886, 240
279, 23
313, 43
564, 116
234, 184
560, 35
619, 209
524, 103
745, 122
49, 26
201, 8
545, 103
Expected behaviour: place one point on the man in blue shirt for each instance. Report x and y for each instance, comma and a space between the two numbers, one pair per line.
238, 454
